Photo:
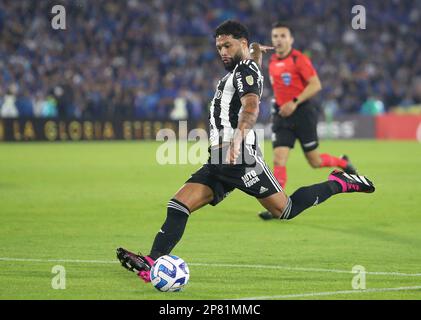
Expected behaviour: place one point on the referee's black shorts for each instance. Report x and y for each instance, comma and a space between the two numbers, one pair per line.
251, 176
301, 125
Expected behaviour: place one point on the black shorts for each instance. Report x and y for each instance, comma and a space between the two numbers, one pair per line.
251, 176
301, 125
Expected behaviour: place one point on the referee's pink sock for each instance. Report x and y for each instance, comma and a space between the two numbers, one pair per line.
280, 173
331, 161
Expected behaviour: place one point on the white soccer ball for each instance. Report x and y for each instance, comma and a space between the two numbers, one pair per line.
169, 273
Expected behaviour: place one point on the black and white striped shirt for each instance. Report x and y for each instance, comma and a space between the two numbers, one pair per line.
226, 105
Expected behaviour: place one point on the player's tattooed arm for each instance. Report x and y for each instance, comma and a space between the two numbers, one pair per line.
248, 116
246, 121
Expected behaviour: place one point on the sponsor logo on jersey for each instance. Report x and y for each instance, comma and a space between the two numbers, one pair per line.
240, 85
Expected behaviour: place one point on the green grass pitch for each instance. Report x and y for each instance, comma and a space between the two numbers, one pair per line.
73, 204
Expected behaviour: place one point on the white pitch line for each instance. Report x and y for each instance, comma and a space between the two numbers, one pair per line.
221, 265
258, 266
332, 293
58, 260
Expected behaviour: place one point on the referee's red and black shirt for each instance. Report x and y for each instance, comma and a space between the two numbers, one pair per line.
289, 75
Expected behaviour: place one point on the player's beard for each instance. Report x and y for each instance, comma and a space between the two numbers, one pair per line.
232, 62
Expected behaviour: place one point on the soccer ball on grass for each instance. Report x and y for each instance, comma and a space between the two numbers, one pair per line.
169, 273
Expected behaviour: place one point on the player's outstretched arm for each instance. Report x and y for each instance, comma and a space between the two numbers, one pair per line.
256, 51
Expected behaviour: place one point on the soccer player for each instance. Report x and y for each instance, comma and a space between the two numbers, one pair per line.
294, 82
235, 160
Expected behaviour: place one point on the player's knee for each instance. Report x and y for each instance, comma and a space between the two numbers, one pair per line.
278, 205
314, 162
278, 211
280, 161
185, 199
286, 211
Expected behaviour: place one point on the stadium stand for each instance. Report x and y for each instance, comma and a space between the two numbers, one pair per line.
138, 59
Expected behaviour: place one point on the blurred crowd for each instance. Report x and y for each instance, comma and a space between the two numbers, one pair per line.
157, 58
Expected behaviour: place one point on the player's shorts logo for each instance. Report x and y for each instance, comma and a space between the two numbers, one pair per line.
286, 77
250, 178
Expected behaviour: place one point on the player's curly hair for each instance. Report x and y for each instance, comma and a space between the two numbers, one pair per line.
234, 28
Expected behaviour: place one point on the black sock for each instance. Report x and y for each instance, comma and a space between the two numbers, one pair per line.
172, 230
306, 197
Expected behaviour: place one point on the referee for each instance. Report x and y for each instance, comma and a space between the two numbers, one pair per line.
294, 82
